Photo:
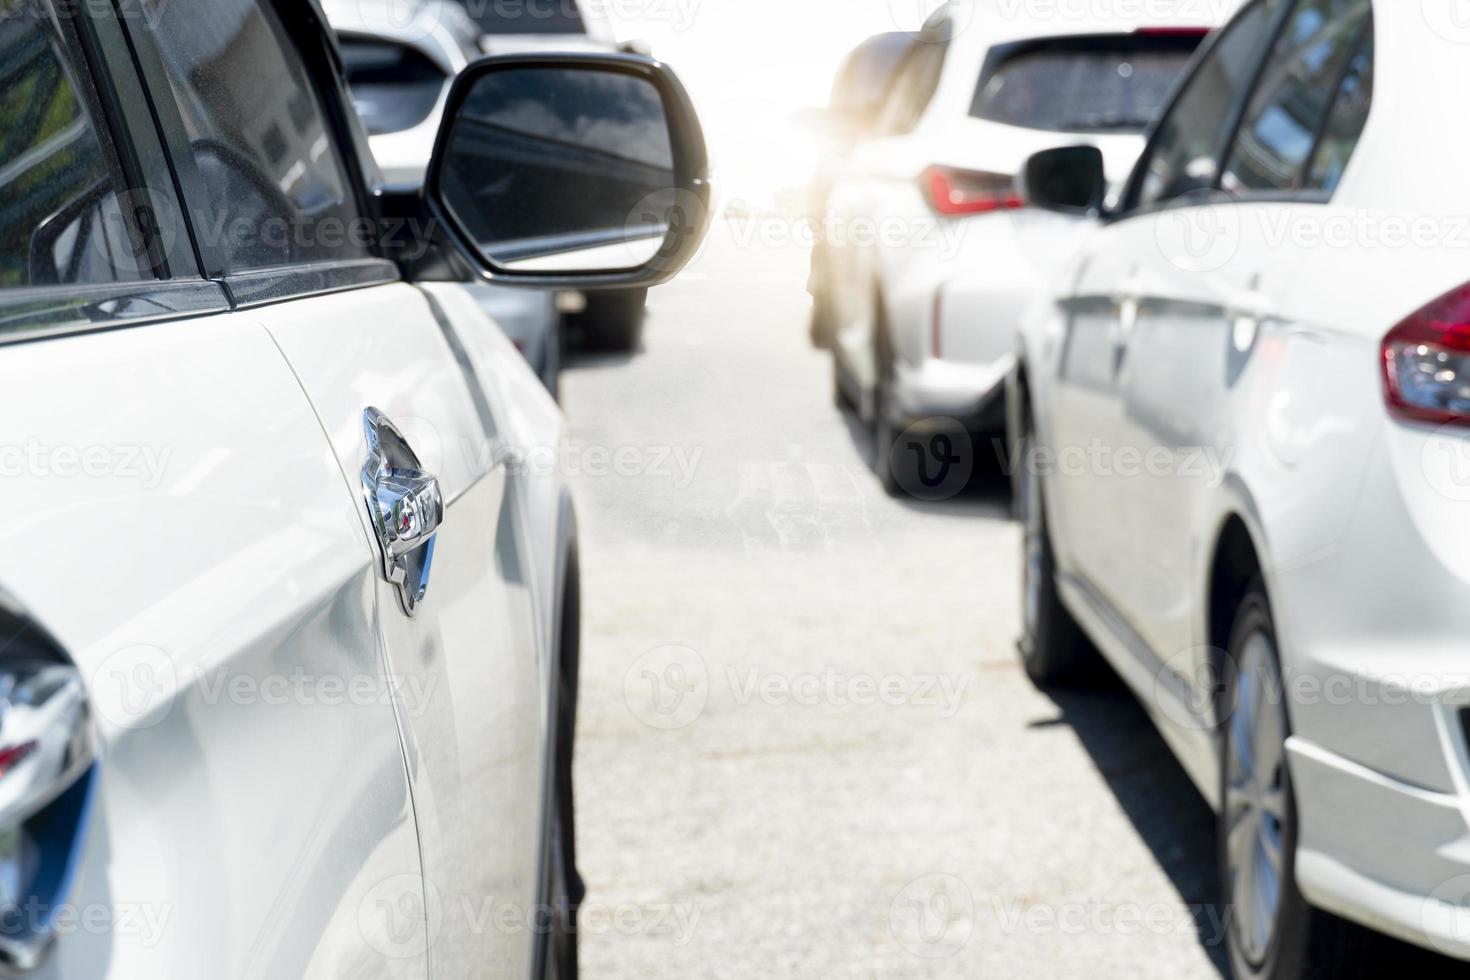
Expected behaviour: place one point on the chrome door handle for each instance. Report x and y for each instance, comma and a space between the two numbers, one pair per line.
404, 506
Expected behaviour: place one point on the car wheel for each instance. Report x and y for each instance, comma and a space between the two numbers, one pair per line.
562, 889
612, 321
1272, 934
1053, 648
890, 470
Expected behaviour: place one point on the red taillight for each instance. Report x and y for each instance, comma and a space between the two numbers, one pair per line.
1426, 362
955, 192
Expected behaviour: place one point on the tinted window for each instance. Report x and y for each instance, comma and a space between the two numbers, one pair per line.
1083, 84
1345, 124
914, 88
526, 16
1296, 92
1185, 153
278, 191
394, 87
60, 222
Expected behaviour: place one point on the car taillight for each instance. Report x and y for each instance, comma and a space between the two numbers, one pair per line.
1426, 362
955, 192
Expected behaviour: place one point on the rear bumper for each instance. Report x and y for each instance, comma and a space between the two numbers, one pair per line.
970, 394
1381, 852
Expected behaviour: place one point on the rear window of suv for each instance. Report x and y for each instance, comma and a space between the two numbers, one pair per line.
526, 16
1084, 84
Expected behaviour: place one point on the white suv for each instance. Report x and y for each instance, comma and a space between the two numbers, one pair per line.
1245, 413
927, 265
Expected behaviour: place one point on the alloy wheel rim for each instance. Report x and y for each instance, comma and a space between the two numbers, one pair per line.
1255, 799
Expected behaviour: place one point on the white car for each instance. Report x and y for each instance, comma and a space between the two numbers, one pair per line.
399, 58
1245, 412
930, 266
288, 677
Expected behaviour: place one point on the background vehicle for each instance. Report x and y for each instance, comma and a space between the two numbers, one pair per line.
399, 59
930, 269
858, 95
274, 523
1285, 559
608, 320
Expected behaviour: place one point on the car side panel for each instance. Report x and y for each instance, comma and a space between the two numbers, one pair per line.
476, 725
252, 811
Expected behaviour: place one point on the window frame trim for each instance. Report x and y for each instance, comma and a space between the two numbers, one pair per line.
1129, 204
258, 287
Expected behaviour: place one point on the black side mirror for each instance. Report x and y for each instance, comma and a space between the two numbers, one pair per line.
571, 170
1068, 179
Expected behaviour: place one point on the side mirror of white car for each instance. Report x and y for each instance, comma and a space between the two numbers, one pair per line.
1067, 180
571, 171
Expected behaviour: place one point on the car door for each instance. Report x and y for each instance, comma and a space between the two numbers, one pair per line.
178, 522
255, 105
1127, 298
1212, 289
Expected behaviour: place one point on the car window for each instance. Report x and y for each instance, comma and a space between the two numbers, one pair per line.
1184, 154
1348, 117
915, 86
394, 87
1300, 79
279, 192
526, 16
60, 220
1103, 83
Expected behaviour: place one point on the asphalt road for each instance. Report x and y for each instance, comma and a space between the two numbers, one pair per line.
806, 746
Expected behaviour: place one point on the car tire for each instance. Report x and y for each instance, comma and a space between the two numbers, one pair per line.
612, 321
1286, 939
820, 328
890, 471
1053, 648
562, 888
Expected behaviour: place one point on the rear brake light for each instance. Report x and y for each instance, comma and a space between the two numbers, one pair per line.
955, 192
1426, 362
